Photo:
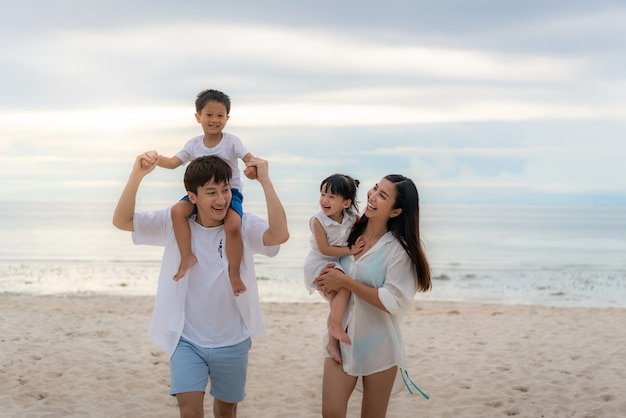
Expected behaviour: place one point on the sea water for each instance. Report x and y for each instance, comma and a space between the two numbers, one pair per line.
566, 256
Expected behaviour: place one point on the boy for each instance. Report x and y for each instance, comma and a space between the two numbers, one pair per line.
212, 113
198, 321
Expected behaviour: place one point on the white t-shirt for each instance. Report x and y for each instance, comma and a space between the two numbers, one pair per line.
230, 148
201, 306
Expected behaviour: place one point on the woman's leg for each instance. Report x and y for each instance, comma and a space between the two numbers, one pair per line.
337, 386
376, 393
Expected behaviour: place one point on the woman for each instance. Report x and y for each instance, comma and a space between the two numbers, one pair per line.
383, 279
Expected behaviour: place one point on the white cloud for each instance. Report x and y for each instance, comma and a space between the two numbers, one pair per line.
99, 95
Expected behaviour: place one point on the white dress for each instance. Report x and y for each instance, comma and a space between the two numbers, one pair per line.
375, 334
336, 234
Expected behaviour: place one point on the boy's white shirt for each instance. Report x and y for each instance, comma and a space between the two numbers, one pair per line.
168, 317
230, 149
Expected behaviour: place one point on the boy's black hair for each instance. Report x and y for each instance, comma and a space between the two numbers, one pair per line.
344, 186
204, 169
210, 95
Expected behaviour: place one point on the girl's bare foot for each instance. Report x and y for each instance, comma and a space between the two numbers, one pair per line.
338, 333
333, 349
185, 264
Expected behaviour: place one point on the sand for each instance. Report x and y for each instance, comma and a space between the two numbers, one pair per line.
90, 356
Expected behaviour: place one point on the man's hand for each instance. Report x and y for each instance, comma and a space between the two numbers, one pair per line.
146, 162
125, 209
258, 167
250, 172
149, 158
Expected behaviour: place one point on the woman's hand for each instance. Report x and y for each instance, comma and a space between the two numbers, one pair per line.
330, 280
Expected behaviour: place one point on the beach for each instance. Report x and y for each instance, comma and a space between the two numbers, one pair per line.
90, 356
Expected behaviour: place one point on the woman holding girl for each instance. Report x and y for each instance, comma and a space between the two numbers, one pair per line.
383, 279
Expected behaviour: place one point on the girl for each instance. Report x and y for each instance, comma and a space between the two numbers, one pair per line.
330, 228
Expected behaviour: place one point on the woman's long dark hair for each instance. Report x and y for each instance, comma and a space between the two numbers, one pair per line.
405, 227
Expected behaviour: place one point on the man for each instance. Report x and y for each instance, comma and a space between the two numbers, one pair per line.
197, 320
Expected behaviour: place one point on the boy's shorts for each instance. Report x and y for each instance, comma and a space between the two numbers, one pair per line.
192, 366
236, 203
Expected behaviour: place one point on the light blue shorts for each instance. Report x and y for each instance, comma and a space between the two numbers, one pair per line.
192, 366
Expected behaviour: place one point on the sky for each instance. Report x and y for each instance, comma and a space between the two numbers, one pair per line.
479, 102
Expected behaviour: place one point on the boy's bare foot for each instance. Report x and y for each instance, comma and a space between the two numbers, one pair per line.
333, 349
338, 333
237, 285
185, 264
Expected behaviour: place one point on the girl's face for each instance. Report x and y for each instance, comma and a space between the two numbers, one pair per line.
380, 201
333, 205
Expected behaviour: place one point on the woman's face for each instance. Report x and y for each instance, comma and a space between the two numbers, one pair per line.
380, 201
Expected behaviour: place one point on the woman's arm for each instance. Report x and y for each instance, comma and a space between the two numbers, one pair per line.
333, 279
398, 289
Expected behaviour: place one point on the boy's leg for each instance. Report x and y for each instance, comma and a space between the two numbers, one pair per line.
180, 212
234, 250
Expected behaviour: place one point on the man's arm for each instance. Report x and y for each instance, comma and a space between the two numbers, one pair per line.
278, 232
125, 209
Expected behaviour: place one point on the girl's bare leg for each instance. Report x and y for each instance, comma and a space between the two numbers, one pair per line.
337, 308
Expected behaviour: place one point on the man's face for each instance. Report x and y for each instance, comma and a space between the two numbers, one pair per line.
213, 201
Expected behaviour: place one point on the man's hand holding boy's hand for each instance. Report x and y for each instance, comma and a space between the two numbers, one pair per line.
149, 159
250, 172
146, 162
260, 167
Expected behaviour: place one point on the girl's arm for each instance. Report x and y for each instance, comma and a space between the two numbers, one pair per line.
332, 250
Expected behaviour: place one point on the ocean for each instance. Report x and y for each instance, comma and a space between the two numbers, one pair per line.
566, 256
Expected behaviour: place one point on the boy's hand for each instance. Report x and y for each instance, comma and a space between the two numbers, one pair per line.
149, 159
259, 165
250, 172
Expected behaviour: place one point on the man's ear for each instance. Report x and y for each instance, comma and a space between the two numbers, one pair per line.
396, 212
192, 197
